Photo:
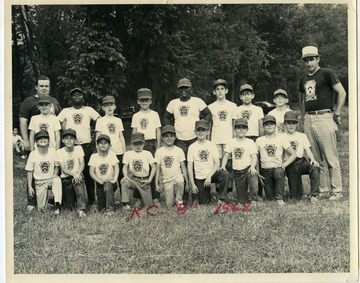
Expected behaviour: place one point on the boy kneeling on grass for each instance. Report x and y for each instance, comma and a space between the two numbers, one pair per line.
104, 170
170, 162
72, 164
139, 170
41, 167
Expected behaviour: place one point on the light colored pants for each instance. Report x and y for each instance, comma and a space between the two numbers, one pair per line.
174, 187
135, 183
321, 132
41, 188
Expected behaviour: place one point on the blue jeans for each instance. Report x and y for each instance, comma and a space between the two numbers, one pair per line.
321, 132
244, 180
274, 183
105, 195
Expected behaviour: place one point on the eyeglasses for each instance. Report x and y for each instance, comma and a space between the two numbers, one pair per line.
309, 59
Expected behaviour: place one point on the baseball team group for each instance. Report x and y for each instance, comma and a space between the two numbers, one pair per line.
197, 153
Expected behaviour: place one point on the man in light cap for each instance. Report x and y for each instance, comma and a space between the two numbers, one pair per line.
317, 88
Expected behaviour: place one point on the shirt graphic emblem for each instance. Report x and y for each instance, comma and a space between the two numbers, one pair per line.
137, 165
222, 115
144, 122
281, 127
168, 161
310, 93
204, 155
184, 110
70, 164
103, 169
45, 166
270, 150
238, 152
77, 117
43, 126
294, 144
111, 128
246, 114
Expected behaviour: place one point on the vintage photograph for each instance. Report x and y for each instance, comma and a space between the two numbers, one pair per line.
181, 141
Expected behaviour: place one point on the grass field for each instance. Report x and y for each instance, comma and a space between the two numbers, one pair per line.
296, 238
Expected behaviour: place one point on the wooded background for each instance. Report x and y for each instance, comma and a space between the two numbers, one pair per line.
117, 49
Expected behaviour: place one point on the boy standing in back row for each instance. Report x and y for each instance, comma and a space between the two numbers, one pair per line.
280, 99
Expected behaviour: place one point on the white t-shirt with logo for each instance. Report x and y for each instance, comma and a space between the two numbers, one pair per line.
42, 165
111, 126
241, 151
146, 123
186, 113
271, 151
279, 116
104, 165
298, 141
79, 120
169, 160
139, 162
203, 155
71, 160
253, 114
49, 123
222, 114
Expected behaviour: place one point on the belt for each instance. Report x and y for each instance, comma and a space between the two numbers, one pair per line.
318, 112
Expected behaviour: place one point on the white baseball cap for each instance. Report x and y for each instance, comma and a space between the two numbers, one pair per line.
309, 51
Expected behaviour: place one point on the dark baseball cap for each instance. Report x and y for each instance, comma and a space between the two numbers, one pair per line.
44, 99
269, 118
202, 124
136, 137
291, 116
246, 87
69, 132
42, 134
77, 89
219, 82
241, 121
103, 137
144, 93
168, 129
280, 91
184, 83
108, 99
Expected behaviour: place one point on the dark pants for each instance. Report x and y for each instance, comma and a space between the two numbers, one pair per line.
121, 175
105, 195
89, 182
301, 166
260, 188
274, 183
74, 195
150, 145
204, 196
31, 200
244, 181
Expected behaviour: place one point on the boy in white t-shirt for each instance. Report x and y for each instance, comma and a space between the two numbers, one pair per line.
41, 166
244, 162
45, 121
70, 158
271, 149
280, 99
139, 170
104, 169
301, 165
203, 167
170, 162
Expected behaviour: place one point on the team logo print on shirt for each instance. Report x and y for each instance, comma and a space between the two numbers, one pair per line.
168, 161
281, 127
246, 114
238, 152
137, 165
270, 150
310, 93
222, 115
77, 117
70, 164
144, 122
43, 126
204, 155
103, 169
184, 110
294, 144
111, 128
45, 166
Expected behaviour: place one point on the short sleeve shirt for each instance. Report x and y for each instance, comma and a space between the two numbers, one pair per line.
299, 142
104, 165
146, 123
139, 162
279, 116
186, 113
241, 151
271, 151
203, 156
222, 114
169, 160
29, 107
15, 139
79, 120
111, 126
49, 123
70, 160
253, 114
42, 165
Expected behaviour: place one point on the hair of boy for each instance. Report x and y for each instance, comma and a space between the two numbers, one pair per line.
103, 137
202, 124
69, 132
42, 78
280, 92
246, 87
269, 118
42, 134
137, 137
168, 129
219, 82
74, 90
184, 83
241, 121
291, 116
108, 99
144, 93
44, 99
310, 51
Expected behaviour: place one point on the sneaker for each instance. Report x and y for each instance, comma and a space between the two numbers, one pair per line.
280, 202
156, 202
138, 203
30, 208
23, 156
324, 194
126, 207
180, 205
221, 202
313, 199
194, 204
336, 196
109, 213
57, 211
81, 214
93, 208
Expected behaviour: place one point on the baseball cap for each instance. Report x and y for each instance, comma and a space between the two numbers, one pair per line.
76, 90
246, 87
136, 137
103, 137
42, 134
44, 99
68, 132
144, 93
202, 124
291, 116
108, 99
184, 83
168, 129
269, 118
309, 51
219, 82
280, 91
241, 121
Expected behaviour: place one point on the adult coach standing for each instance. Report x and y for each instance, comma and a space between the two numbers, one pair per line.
28, 108
317, 89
